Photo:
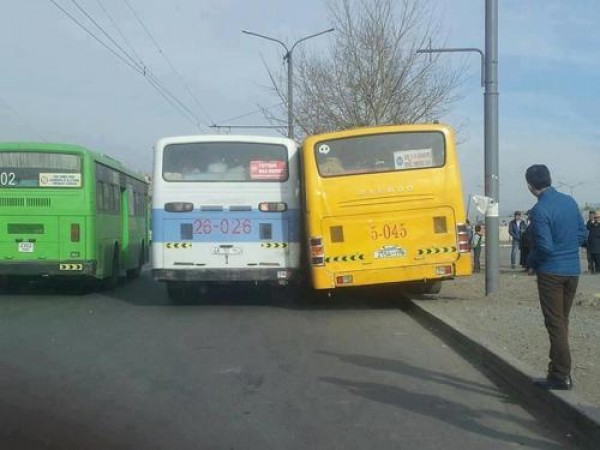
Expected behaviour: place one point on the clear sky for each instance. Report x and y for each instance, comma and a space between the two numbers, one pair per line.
60, 85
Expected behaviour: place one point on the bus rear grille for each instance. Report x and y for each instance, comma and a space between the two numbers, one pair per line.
8, 201
38, 202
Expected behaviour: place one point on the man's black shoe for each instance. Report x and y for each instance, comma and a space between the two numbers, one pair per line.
552, 383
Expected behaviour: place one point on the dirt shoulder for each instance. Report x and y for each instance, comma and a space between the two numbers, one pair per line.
511, 320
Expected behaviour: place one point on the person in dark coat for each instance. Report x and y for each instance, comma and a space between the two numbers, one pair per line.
515, 230
526, 244
593, 244
589, 224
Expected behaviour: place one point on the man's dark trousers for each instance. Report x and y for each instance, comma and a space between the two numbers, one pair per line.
556, 294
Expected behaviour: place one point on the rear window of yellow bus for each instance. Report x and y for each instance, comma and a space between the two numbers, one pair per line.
37, 169
375, 153
225, 161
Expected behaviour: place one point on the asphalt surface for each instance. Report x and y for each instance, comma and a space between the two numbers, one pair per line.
568, 411
241, 370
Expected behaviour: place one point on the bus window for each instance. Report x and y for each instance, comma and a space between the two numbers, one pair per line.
231, 161
386, 152
36, 169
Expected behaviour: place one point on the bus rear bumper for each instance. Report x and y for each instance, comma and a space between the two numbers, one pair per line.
226, 275
48, 268
326, 279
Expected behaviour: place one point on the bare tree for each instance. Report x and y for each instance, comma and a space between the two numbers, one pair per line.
372, 74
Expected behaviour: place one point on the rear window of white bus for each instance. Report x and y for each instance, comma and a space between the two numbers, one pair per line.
225, 161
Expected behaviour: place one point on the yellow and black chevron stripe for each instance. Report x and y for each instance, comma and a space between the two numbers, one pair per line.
345, 258
178, 244
436, 250
70, 266
274, 244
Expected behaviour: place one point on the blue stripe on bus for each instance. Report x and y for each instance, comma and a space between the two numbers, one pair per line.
225, 226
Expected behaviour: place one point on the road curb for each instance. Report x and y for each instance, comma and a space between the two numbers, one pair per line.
581, 419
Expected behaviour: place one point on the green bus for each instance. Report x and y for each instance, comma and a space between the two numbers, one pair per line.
68, 212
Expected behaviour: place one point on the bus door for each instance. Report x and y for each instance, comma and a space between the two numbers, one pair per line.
125, 195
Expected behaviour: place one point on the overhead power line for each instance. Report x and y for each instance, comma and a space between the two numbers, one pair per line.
251, 113
131, 62
145, 71
168, 60
116, 26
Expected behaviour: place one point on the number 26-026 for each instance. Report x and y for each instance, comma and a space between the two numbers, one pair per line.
224, 226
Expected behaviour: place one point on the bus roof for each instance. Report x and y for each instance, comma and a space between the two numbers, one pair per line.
225, 138
415, 127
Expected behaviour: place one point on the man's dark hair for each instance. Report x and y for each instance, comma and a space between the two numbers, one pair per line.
538, 176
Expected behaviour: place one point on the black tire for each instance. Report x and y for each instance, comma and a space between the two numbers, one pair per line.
177, 290
134, 273
424, 287
112, 281
433, 287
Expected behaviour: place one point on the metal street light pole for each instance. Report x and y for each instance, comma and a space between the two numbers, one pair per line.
489, 79
290, 77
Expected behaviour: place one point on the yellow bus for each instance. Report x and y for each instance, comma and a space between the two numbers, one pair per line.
384, 205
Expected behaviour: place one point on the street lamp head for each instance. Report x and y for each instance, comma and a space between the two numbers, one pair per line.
288, 59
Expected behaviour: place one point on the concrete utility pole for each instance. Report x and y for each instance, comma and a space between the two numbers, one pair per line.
290, 77
492, 179
489, 79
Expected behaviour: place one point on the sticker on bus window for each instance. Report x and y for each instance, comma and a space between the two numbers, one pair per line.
324, 149
413, 159
268, 170
60, 180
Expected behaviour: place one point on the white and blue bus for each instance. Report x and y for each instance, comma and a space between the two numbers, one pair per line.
225, 208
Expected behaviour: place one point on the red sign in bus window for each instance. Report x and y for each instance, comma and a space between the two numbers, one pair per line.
268, 170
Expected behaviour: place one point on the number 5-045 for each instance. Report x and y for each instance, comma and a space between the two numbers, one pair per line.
7, 178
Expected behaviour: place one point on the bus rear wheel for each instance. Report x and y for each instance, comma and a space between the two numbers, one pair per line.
113, 280
177, 290
135, 272
424, 287
433, 287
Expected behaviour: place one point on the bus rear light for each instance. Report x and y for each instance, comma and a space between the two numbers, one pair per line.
462, 238
179, 207
343, 279
272, 206
75, 232
317, 261
317, 251
443, 270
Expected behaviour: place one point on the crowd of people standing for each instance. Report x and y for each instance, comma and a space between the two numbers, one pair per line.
521, 240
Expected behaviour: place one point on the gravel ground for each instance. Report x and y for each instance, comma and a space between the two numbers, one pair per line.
511, 320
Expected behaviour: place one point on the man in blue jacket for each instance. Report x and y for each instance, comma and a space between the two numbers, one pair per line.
558, 232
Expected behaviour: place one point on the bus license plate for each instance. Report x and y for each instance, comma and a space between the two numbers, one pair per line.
228, 251
26, 247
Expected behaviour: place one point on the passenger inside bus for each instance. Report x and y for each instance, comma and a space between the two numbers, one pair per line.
331, 165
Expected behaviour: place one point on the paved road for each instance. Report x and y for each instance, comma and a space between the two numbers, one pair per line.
129, 370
